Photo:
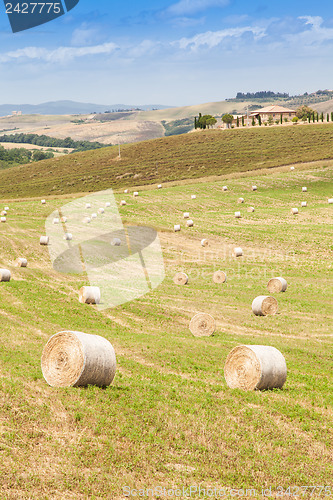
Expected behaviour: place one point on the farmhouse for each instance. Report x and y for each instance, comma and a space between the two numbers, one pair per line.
274, 112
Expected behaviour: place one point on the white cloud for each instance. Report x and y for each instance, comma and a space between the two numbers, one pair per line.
61, 54
185, 7
315, 35
211, 39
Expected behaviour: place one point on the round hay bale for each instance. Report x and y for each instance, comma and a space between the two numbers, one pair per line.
63, 219
159, 186
294, 211
304, 189
44, 240
250, 209
88, 205
186, 215
123, 203
6, 208
204, 243
330, 201
240, 200
94, 216
68, 237
3, 219
202, 325
238, 215
108, 204
101, 210
219, 277
176, 228
255, 367
4, 213
126, 191
292, 168
43, 202
90, 295
76, 359
190, 223
55, 220
87, 220
193, 197
225, 188
238, 252
135, 194
116, 242
277, 285
5, 275
180, 279
264, 306
254, 188
304, 204
21, 262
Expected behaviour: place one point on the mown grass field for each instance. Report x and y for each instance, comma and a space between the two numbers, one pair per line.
189, 156
169, 419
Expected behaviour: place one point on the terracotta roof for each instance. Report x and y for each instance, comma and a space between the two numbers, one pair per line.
273, 109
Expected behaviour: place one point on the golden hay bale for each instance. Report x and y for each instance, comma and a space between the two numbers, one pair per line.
90, 295
238, 215
21, 262
116, 242
204, 243
43, 202
55, 220
193, 197
219, 277
250, 209
107, 204
186, 215
254, 188
238, 252
5, 275
44, 240
255, 367
330, 201
304, 189
264, 306
88, 205
180, 279
240, 200
135, 194
277, 285
294, 211
123, 203
176, 228
76, 359
304, 204
190, 223
225, 188
68, 237
3, 219
202, 325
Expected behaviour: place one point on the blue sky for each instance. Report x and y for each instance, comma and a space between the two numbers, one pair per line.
177, 52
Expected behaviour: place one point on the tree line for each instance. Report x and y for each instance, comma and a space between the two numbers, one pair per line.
263, 94
20, 156
52, 142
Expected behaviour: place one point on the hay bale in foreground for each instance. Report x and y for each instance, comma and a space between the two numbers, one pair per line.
3, 219
292, 168
4, 213
159, 186
43, 202
101, 210
107, 204
238, 215
186, 215
176, 228
264, 306
135, 194
255, 367
180, 279
90, 295
330, 201
204, 243
202, 325
116, 242
190, 223
304, 204
55, 220
6, 208
76, 359
68, 237
304, 189
240, 200
123, 203
21, 262
44, 240
5, 275
219, 277
88, 205
294, 211
254, 188
193, 197
250, 209
238, 252
63, 219
225, 188
94, 216
277, 285
87, 220
126, 191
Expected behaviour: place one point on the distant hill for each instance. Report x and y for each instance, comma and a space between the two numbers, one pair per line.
70, 108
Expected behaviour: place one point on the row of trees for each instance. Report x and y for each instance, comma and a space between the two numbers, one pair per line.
52, 142
204, 121
264, 94
20, 156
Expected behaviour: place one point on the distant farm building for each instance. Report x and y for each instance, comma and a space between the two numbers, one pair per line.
274, 112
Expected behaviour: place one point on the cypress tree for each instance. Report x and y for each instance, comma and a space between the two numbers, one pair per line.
195, 123
259, 120
243, 121
332, 116
237, 121
322, 117
281, 119
328, 117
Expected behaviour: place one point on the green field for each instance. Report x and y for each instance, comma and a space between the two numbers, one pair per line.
169, 418
189, 156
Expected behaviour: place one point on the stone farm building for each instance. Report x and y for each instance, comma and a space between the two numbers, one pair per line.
275, 112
